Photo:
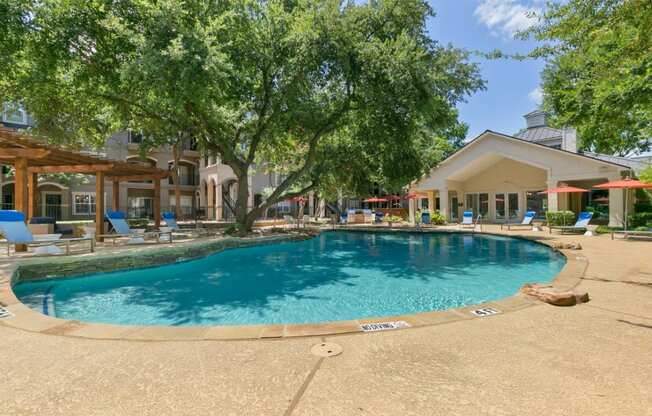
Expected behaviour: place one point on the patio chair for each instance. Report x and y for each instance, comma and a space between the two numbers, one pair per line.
467, 220
343, 218
13, 228
645, 234
171, 222
425, 218
121, 229
378, 218
290, 220
527, 222
580, 225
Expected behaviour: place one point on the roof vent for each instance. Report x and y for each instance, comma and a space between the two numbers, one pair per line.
536, 118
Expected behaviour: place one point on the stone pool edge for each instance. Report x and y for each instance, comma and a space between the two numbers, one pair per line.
27, 319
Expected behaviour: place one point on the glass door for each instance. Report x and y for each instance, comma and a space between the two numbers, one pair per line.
484, 204
512, 206
500, 207
453, 208
478, 203
52, 207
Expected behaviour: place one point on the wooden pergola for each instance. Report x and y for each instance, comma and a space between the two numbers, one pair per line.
30, 156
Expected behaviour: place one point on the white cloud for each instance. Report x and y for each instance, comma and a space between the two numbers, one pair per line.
536, 95
506, 17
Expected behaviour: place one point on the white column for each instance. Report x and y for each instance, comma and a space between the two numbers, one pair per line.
616, 207
553, 201
412, 210
443, 203
431, 201
311, 204
217, 209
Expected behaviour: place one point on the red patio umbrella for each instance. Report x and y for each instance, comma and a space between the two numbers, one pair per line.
375, 199
626, 184
564, 189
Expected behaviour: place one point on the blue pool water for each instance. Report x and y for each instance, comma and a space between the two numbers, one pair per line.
335, 276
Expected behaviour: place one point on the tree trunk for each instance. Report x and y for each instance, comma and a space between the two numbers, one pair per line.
176, 152
243, 217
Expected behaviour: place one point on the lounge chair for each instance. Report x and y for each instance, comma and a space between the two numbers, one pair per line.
467, 220
290, 220
369, 216
343, 218
580, 225
425, 218
121, 229
171, 222
13, 228
527, 222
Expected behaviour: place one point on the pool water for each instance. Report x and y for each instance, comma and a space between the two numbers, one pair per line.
335, 276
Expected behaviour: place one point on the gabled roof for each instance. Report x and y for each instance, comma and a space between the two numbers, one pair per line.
538, 145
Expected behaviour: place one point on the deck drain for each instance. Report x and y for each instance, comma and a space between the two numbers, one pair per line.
4, 313
326, 349
485, 312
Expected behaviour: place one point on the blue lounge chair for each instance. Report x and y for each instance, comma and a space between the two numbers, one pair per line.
170, 219
425, 218
580, 225
121, 229
379, 217
467, 219
13, 228
343, 217
527, 222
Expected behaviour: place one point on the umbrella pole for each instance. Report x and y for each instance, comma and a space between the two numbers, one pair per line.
625, 214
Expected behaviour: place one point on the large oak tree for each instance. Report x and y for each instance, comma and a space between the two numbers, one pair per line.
598, 76
323, 91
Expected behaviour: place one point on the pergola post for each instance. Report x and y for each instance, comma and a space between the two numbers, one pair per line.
20, 192
115, 196
32, 198
157, 202
99, 205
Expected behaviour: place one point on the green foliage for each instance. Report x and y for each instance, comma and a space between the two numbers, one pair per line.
557, 218
603, 229
599, 70
324, 92
646, 175
138, 222
640, 219
392, 218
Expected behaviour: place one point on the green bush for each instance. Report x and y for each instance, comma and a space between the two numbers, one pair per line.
557, 218
138, 223
435, 217
639, 219
603, 229
392, 218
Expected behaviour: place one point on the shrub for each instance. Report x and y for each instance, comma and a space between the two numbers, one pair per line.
556, 218
639, 219
603, 229
392, 218
138, 223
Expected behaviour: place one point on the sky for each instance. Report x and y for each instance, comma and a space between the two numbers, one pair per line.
512, 86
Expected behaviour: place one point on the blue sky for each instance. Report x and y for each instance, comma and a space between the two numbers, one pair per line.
512, 86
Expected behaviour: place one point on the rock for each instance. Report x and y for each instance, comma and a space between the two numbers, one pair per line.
559, 245
547, 293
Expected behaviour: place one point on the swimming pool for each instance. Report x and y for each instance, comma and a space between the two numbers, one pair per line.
334, 276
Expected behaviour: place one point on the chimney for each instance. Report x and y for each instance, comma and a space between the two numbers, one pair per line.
536, 118
569, 139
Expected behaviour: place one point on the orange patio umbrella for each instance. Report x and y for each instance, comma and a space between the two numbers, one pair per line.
626, 184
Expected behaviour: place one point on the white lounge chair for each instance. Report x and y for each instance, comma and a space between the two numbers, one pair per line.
527, 222
122, 230
580, 225
467, 220
290, 220
13, 228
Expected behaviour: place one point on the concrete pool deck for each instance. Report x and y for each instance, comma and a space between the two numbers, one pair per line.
594, 358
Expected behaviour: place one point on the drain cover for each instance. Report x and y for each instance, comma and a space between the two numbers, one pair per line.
4, 313
326, 349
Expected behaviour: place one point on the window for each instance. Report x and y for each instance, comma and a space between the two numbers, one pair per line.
478, 203
14, 113
537, 202
83, 203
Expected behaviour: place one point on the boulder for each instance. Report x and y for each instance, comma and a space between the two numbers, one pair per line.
547, 293
560, 245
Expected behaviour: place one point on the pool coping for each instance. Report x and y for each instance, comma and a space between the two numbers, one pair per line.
25, 318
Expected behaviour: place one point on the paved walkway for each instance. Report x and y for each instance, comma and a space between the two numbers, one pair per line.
592, 359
